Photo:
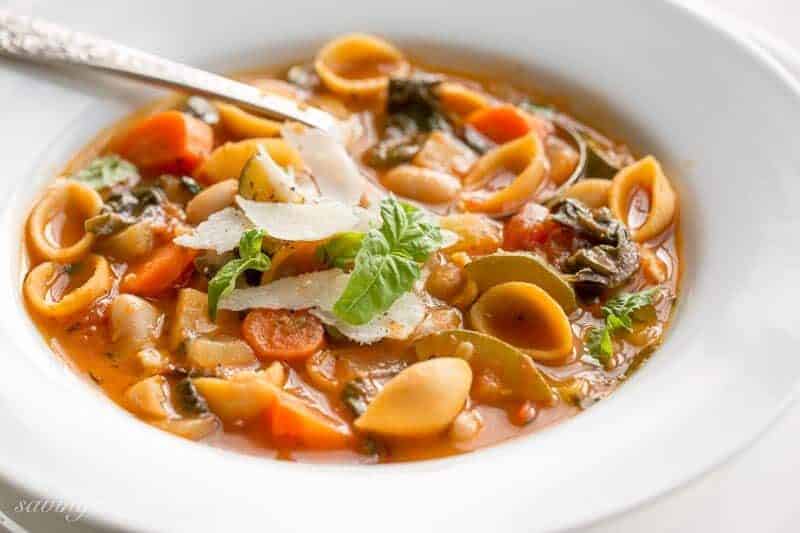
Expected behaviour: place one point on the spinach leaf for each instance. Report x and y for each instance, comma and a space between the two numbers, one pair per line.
413, 105
250, 258
614, 257
619, 314
103, 172
394, 151
387, 264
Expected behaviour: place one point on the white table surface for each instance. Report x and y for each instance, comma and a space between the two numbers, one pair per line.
755, 491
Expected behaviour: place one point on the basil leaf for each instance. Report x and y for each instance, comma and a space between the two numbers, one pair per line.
387, 264
598, 343
107, 171
341, 250
251, 258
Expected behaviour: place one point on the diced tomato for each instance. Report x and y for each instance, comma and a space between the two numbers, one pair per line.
531, 231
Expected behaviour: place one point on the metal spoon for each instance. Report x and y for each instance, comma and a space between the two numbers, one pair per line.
40, 41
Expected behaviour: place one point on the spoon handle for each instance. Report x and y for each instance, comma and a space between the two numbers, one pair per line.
37, 40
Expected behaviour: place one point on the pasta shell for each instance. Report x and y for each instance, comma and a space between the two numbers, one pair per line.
359, 65
523, 157
646, 174
243, 125
525, 316
593, 192
460, 100
72, 202
39, 281
421, 400
228, 160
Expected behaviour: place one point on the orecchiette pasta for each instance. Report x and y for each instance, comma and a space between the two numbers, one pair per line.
460, 100
242, 125
645, 174
523, 157
40, 281
67, 198
593, 192
359, 65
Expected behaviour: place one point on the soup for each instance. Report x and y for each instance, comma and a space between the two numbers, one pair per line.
453, 266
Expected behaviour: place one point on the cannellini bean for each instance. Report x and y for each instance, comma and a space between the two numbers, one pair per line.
210, 200
466, 426
421, 400
422, 184
135, 322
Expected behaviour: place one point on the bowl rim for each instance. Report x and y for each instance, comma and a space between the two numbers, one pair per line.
25, 482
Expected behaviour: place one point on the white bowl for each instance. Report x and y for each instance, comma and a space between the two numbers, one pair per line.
719, 113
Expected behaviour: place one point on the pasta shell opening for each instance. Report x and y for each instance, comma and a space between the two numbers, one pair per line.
55, 227
523, 158
359, 65
592, 192
644, 175
525, 316
56, 291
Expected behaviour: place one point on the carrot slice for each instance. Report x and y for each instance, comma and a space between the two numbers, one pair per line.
159, 272
283, 334
505, 123
169, 141
294, 422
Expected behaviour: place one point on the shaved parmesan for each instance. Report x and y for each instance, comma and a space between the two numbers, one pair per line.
337, 175
398, 322
315, 289
283, 183
302, 222
221, 232
318, 291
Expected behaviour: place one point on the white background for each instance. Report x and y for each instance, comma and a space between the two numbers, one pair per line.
756, 491
759, 490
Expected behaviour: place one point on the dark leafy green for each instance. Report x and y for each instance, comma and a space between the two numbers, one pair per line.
188, 400
612, 259
355, 395
387, 264
104, 172
394, 151
126, 208
191, 185
619, 314
413, 105
250, 258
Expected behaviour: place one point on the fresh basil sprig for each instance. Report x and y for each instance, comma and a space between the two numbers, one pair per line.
250, 258
388, 262
107, 171
618, 313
